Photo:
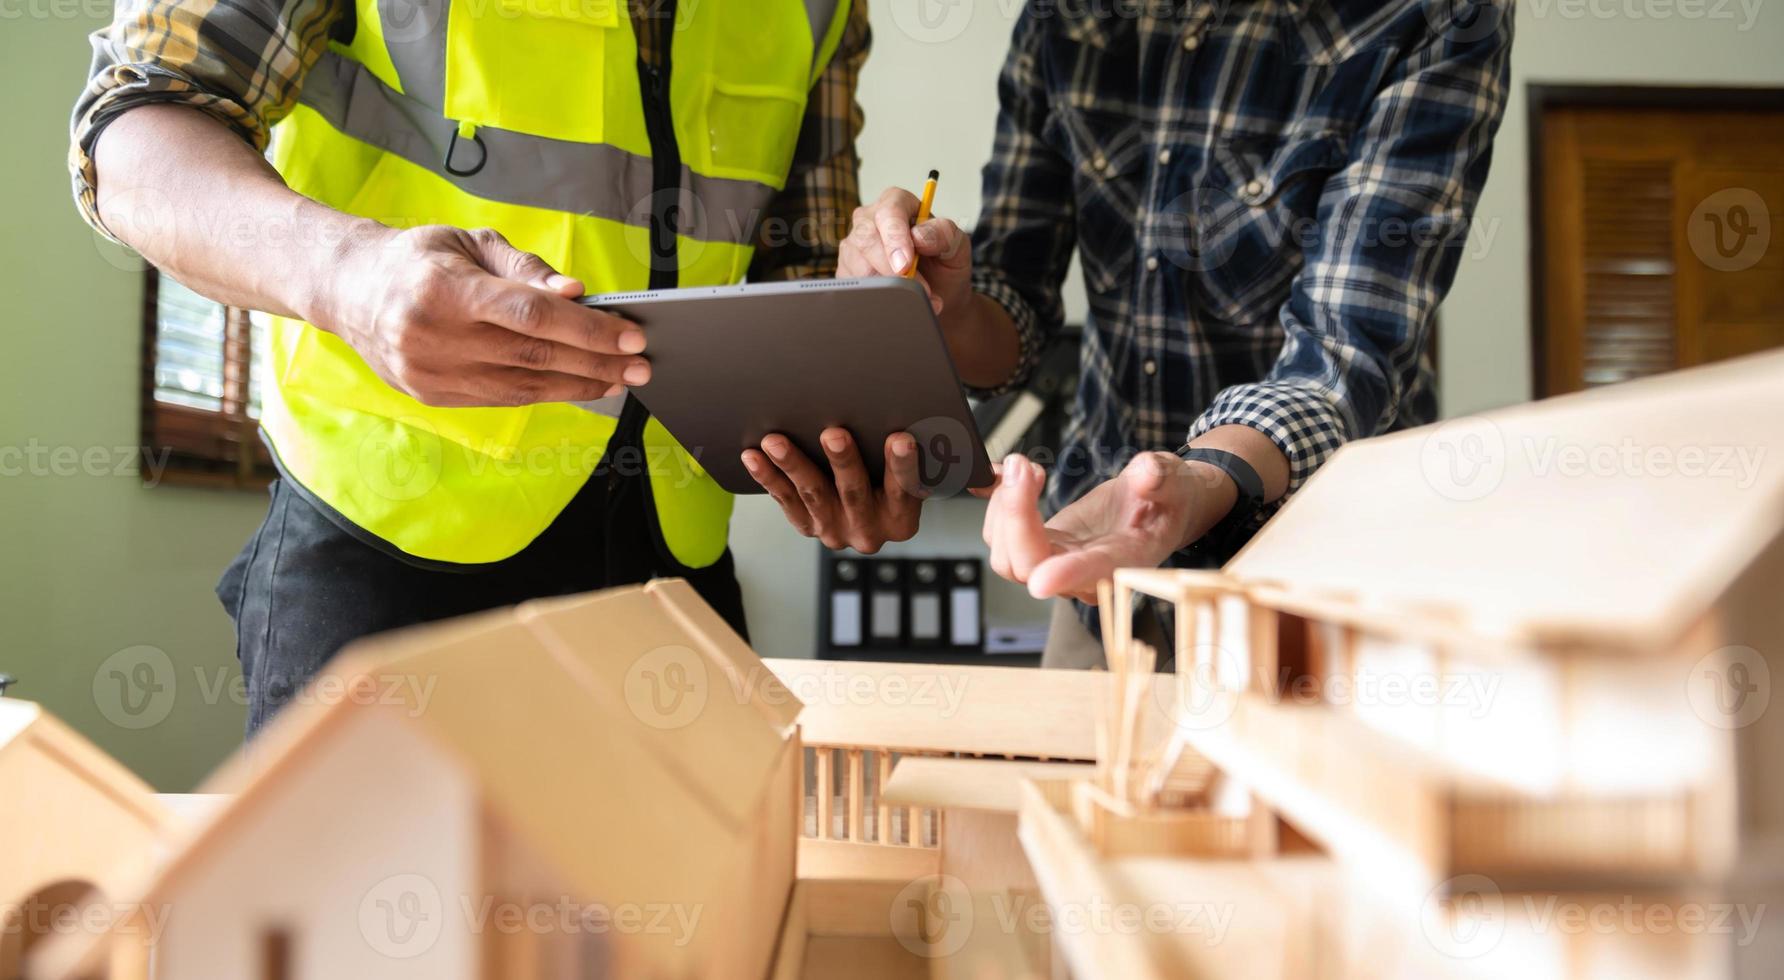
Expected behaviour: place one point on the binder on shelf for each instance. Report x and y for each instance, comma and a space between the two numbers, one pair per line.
885, 603
847, 620
927, 609
966, 607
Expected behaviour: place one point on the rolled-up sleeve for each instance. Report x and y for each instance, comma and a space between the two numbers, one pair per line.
241, 62
1022, 244
1392, 228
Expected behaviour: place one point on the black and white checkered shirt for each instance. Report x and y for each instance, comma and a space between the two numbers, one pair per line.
1269, 200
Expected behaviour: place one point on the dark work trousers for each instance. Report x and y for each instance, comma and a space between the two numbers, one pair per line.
308, 583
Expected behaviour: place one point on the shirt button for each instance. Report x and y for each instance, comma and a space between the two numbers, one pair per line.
1150, 367
1191, 42
1151, 263
1254, 188
1164, 156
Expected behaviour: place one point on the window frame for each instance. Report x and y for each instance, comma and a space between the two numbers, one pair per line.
201, 447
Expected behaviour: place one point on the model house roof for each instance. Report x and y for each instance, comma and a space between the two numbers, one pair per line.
621, 716
83, 820
1615, 517
35, 746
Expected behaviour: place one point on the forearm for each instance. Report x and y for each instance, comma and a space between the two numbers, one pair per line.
1215, 494
983, 341
194, 199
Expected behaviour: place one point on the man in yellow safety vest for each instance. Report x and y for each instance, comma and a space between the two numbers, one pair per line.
452, 431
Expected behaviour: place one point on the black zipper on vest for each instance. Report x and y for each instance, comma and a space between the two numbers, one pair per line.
626, 448
665, 197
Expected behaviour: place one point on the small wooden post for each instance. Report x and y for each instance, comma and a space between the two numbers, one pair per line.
856, 793
883, 813
826, 790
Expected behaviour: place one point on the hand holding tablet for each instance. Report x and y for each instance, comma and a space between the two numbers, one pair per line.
734, 365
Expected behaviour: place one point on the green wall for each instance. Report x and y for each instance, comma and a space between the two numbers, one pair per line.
93, 563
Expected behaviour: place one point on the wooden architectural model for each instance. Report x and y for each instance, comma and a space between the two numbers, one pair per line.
593, 786
1516, 729
75, 823
1487, 699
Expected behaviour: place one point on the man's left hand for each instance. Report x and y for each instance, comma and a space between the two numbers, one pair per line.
1156, 505
849, 512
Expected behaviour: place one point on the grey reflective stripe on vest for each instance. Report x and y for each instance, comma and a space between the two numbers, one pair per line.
518, 168
819, 12
609, 406
415, 35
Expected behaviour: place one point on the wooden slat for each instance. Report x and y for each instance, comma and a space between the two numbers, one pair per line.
856, 790
882, 824
826, 790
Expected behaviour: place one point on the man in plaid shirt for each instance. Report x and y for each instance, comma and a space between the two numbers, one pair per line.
1269, 200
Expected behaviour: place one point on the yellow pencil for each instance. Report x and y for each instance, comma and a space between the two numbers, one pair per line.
923, 214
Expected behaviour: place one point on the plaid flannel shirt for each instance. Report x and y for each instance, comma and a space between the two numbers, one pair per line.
1268, 199
244, 63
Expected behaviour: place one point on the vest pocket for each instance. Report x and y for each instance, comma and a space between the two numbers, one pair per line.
745, 131
495, 53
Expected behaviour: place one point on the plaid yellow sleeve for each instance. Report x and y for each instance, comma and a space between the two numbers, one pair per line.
801, 231
241, 61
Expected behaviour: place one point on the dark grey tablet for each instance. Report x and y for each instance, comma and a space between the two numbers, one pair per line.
731, 364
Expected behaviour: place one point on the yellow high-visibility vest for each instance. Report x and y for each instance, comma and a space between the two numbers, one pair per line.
529, 117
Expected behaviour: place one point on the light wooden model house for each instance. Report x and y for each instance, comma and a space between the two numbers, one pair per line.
1504, 720
75, 822
1485, 699
592, 786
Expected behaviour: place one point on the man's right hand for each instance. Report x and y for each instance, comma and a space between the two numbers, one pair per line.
459, 318
883, 243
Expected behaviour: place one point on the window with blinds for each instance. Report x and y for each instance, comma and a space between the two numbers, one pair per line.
201, 388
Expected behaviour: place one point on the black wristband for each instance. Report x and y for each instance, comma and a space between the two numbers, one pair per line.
1223, 538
